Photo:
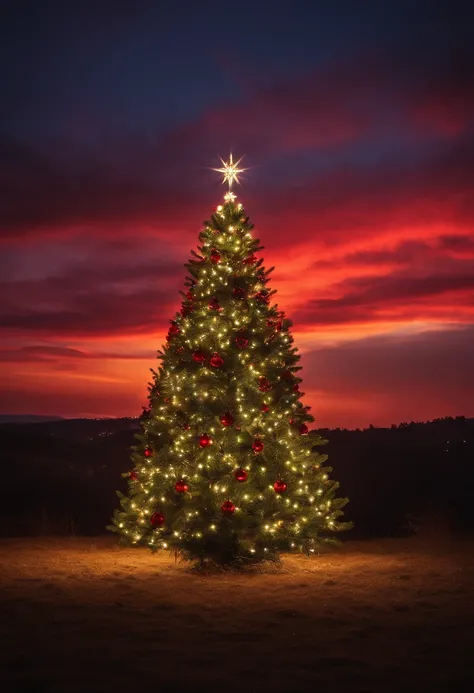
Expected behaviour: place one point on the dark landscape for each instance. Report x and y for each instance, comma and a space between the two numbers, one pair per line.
401, 480
391, 610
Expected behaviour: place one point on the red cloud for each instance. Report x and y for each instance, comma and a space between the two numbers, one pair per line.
47, 354
356, 239
92, 300
337, 104
397, 296
395, 378
458, 246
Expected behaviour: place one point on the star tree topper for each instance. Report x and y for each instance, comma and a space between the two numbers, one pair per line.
230, 169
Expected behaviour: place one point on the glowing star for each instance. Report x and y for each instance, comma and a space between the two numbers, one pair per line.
230, 170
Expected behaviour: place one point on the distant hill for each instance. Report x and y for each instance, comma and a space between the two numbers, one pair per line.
125, 422
28, 418
412, 475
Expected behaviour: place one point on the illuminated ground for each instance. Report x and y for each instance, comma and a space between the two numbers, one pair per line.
378, 616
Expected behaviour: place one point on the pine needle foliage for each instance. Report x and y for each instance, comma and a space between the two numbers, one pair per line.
226, 470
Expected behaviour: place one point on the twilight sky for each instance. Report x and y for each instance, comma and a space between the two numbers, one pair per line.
356, 120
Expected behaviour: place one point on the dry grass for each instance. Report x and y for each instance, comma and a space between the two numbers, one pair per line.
87, 616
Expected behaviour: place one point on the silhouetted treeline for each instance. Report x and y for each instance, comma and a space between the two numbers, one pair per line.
61, 476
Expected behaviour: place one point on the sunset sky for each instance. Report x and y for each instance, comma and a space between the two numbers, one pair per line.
356, 123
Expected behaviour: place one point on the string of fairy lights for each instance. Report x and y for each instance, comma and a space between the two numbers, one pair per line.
254, 336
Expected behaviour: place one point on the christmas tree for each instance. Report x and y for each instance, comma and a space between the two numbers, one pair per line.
226, 469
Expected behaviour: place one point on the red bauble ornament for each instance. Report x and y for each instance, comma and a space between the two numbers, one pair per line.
251, 260
264, 384
157, 520
174, 329
148, 452
262, 297
238, 292
181, 486
190, 296
303, 429
199, 356
186, 427
228, 508
296, 387
133, 476
277, 324
205, 440
186, 310
241, 342
215, 257
265, 408
214, 304
280, 486
257, 445
227, 419
216, 361
241, 475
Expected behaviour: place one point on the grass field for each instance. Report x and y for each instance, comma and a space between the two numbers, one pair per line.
82, 615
